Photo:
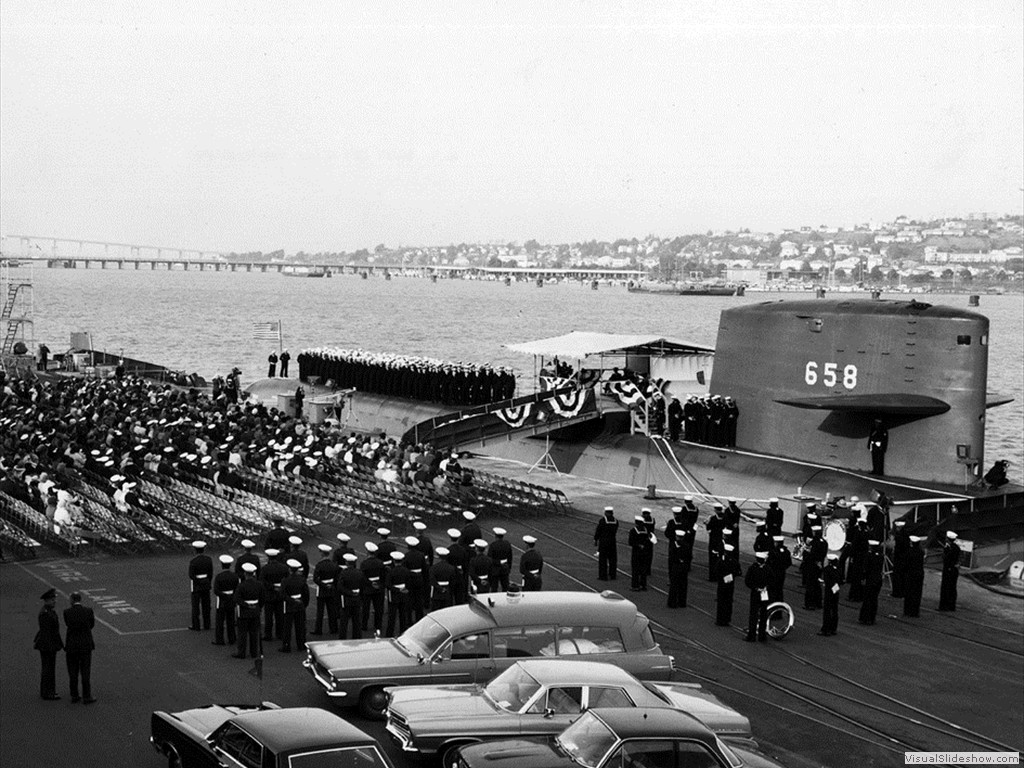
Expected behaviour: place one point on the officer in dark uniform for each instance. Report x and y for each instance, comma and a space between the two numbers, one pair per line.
779, 561
641, 552
531, 566
732, 523
271, 576
675, 419
878, 444
200, 576
48, 642
607, 549
324, 574
874, 565
913, 580
757, 580
500, 552
426, 546
458, 556
651, 525
248, 597
900, 549
470, 531
277, 537
857, 546
443, 576
397, 584
762, 539
350, 583
830, 583
773, 517
343, 547
248, 556
728, 571
714, 526
373, 589
811, 567
296, 552
950, 572
480, 568
680, 558
295, 592
385, 546
224, 585
416, 562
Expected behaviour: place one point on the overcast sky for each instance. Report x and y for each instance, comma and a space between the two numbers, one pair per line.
256, 126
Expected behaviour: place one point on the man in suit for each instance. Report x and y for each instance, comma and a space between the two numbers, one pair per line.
78, 646
48, 642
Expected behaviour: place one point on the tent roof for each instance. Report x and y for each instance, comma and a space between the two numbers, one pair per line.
579, 344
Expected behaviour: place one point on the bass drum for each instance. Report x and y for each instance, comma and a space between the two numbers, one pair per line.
780, 620
835, 535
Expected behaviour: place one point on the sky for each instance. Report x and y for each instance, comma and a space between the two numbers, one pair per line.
337, 126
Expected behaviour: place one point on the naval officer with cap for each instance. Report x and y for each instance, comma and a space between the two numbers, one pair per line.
950, 572
349, 584
397, 584
271, 575
641, 553
295, 594
531, 566
248, 556
874, 565
200, 575
607, 548
443, 576
913, 579
224, 585
324, 574
48, 642
416, 562
757, 580
500, 552
830, 582
248, 597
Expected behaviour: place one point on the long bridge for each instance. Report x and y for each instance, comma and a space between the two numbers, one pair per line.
73, 253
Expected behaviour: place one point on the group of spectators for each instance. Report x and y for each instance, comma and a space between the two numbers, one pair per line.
415, 378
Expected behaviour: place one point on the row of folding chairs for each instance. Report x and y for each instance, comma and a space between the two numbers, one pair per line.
15, 541
35, 525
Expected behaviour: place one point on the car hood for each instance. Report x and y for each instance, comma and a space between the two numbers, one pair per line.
207, 719
706, 707
348, 656
516, 753
449, 702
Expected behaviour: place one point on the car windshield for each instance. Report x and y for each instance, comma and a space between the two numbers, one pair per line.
587, 740
512, 688
424, 637
347, 757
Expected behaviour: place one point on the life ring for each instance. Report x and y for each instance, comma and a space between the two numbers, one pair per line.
780, 620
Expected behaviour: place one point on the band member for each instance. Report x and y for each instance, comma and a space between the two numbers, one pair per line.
607, 549
757, 580
950, 573
729, 570
830, 582
715, 525
874, 565
779, 561
811, 566
248, 597
224, 585
900, 550
773, 517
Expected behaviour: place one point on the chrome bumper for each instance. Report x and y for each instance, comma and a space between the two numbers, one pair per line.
327, 683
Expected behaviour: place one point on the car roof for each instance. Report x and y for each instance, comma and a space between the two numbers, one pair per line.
554, 607
557, 671
630, 723
285, 730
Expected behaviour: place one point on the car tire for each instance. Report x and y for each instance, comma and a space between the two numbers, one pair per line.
373, 702
450, 753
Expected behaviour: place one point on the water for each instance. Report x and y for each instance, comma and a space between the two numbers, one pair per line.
201, 321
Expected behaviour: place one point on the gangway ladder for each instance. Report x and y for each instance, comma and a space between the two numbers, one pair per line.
16, 313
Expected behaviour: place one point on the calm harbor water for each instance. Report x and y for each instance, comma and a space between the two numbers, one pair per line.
202, 321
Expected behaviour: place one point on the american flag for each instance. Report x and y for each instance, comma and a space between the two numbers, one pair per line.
270, 331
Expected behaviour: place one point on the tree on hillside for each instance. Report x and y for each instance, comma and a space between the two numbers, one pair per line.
876, 273
531, 246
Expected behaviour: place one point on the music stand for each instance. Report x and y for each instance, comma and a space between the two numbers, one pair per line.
546, 461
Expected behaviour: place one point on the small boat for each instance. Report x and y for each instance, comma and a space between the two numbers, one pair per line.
303, 271
682, 289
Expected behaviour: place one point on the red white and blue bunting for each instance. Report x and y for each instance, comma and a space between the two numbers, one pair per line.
515, 416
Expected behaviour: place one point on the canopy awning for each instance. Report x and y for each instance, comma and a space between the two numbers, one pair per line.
580, 344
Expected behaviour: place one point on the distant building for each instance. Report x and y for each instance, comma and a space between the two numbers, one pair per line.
749, 275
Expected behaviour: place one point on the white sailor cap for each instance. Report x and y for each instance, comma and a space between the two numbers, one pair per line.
294, 540
687, 497
609, 509
248, 543
677, 510
480, 543
773, 500
454, 533
645, 510
293, 563
900, 522
733, 500
499, 531
951, 534
811, 505
777, 537
199, 545
682, 531
412, 541
728, 547
249, 567
383, 531
396, 555
873, 542
469, 515
343, 537
833, 555
272, 552
226, 559
914, 538
727, 531
419, 525
348, 557
370, 547
638, 518
325, 548
530, 539
815, 527
761, 554
718, 506
441, 551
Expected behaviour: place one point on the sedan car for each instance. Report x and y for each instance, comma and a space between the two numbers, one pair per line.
474, 642
618, 738
537, 697
262, 736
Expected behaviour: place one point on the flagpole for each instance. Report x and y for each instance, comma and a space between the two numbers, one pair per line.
280, 336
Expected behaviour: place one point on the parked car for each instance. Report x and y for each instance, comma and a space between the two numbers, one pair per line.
537, 697
262, 736
618, 738
474, 642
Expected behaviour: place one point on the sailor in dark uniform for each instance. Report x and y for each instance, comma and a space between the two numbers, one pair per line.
285, 358
641, 551
271, 364
48, 642
691, 415
480, 569
500, 552
248, 597
325, 572
950, 572
874, 565
830, 582
675, 523
732, 522
443, 576
811, 567
900, 548
200, 575
277, 537
779, 561
531, 566
878, 443
470, 531
607, 549
913, 579
296, 552
675, 419
397, 584
343, 547
763, 540
373, 588
857, 545
416, 562
224, 585
426, 546
385, 546
458, 556
295, 592
728, 571
349, 585
679, 560
248, 556
271, 576
732, 418
757, 579
690, 513
715, 525
773, 517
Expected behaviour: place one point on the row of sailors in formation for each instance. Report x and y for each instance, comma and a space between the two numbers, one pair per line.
860, 563
403, 585
415, 378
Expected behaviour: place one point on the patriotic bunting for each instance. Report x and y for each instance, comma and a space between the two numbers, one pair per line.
515, 416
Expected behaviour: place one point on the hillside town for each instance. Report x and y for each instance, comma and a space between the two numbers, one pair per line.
978, 247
